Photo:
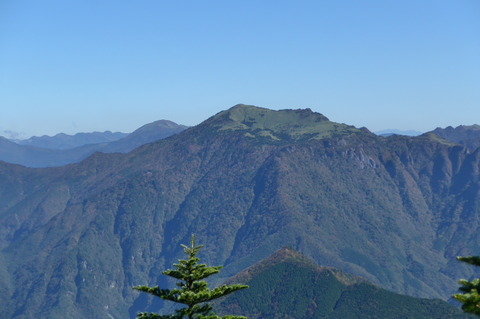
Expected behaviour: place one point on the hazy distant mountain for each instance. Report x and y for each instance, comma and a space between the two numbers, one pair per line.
63, 141
247, 181
31, 156
145, 134
11, 135
20, 154
467, 135
398, 132
289, 285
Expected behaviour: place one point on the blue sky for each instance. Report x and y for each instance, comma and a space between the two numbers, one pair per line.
89, 65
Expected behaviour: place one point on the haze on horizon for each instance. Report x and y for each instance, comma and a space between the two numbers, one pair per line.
117, 65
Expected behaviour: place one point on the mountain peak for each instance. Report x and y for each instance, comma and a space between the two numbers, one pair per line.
278, 125
291, 256
284, 286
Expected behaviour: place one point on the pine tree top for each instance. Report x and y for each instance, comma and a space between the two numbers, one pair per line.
474, 260
193, 291
469, 296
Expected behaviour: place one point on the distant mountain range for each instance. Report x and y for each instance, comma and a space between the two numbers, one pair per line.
247, 181
63, 149
289, 285
398, 132
63, 141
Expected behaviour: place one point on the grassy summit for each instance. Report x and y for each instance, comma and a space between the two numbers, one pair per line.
296, 124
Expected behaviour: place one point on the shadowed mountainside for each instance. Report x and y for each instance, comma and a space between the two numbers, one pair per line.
247, 181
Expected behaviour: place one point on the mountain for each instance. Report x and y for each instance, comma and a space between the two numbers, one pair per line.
289, 285
247, 181
18, 154
64, 141
466, 135
11, 135
146, 134
34, 156
390, 132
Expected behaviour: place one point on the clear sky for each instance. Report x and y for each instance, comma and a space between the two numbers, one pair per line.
95, 65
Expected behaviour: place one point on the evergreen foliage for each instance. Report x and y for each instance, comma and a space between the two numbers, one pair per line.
287, 285
193, 291
470, 297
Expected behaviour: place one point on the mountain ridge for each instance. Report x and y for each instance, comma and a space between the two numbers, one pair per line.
289, 285
287, 254
65, 141
395, 211
38, 157
466, 135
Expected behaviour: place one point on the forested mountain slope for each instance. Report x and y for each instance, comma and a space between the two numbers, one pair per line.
247, 182
288, 285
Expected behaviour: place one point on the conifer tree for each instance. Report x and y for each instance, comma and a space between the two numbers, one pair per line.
193, 291
470, 297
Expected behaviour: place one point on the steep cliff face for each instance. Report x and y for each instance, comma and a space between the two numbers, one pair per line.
247, 182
